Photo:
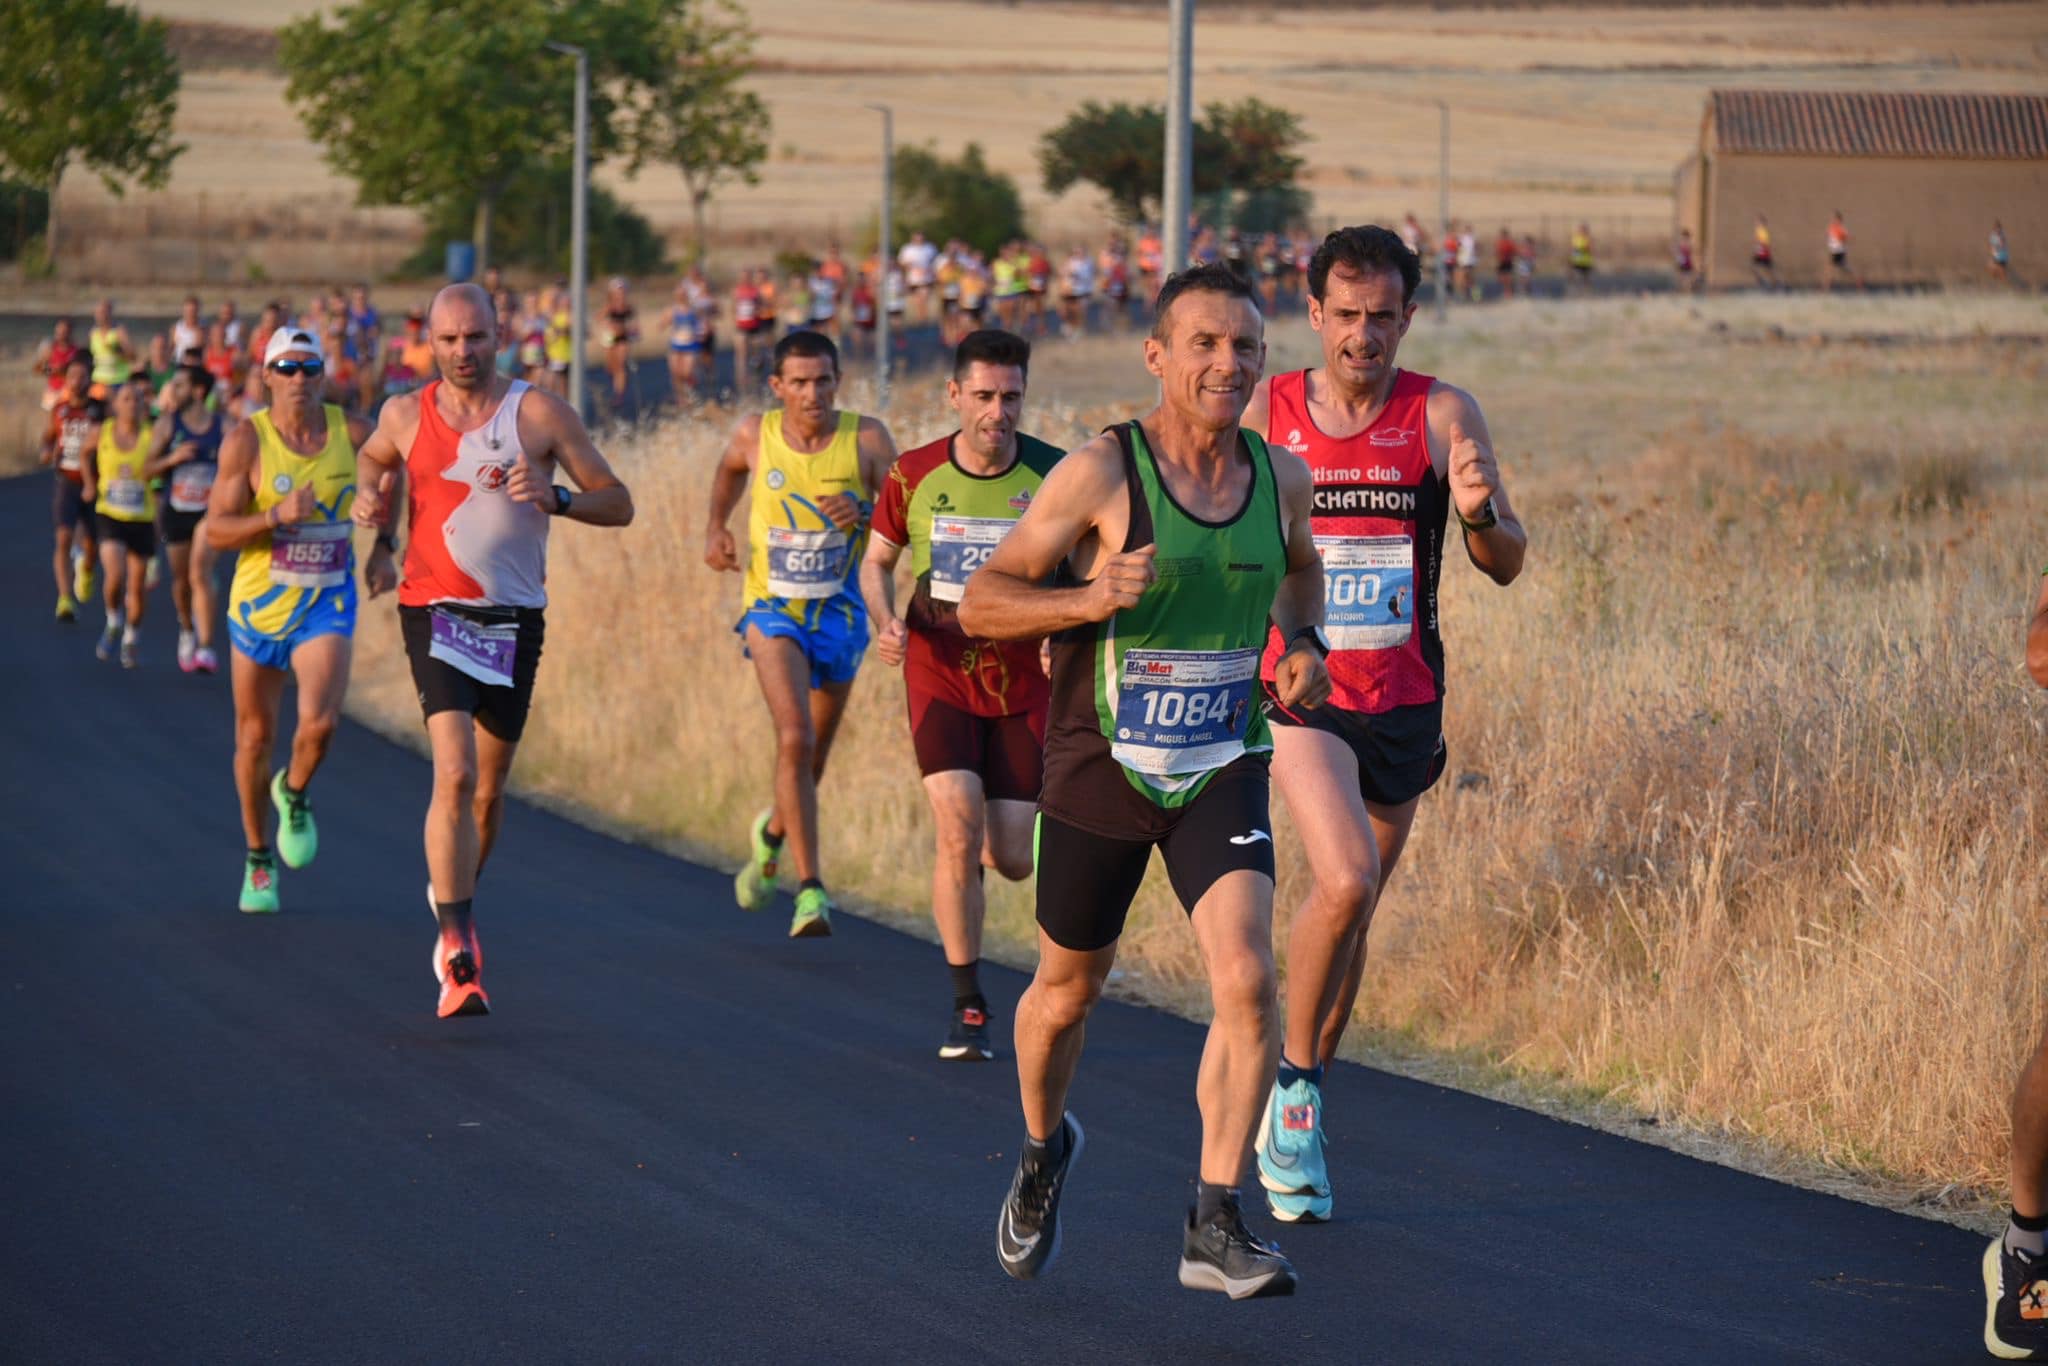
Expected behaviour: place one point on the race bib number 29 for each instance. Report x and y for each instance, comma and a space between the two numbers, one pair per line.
961, 545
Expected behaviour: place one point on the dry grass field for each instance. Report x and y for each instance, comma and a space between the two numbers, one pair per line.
1744, 812
1558, 113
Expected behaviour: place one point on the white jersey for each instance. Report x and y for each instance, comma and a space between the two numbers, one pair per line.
471, 543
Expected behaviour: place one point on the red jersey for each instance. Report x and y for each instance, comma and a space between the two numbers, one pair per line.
69, 423
56, 363
1378, 520
470, 542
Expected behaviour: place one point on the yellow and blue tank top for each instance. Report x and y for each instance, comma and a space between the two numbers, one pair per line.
125, 494
281, 574
798, 563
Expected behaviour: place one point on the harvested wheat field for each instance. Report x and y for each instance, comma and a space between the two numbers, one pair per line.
1741, 827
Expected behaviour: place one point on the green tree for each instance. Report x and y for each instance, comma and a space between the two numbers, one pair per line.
700, 120
432, 102
84, 81
1244, 155
961, 198
531, 228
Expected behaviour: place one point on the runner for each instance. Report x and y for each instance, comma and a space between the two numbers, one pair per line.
113, 355
812, 471
1077, 291
686, 329
621, 330
1682, 263
977, 708
558, 337
479, 453
1504, 253
74, 418
1393, 454
186, 444
1468, 263
281, 500
53, 359
748, 324
916, 259
1182, 534
118, 472
1761, 263
188, 332
1582, 259
1838, 254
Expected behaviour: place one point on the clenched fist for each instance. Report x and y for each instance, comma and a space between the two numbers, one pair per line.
1121, 581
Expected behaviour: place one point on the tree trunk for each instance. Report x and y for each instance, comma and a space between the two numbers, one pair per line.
697, 211
50, 223
486, 204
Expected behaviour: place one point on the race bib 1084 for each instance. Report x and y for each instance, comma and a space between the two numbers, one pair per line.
806, 564
1183, 711
961, 545
1368, 591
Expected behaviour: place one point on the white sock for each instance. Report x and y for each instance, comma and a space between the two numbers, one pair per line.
115, 620
129, 633
2033, 1242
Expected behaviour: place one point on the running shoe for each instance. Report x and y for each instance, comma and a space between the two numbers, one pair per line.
67, 610
128, 656
459, 968
968, 1038
755, 885
1224, 1255
110, 641
2015, 1304
188, 652
1028, 1229
298, 839
259, 885
1290, 1148
88, 579
152, 575
205, 661
813, 918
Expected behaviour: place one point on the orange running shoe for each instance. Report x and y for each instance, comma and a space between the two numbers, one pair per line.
460, 970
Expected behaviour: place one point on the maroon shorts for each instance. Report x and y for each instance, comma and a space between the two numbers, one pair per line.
1007, 751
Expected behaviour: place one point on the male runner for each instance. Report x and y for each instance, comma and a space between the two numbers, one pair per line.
811, 472
113, 355
479, 452
2015, 1265
72, 419
1180, 534
118, 474
281, 499
977, 707
186, 445
1393, 454
53, 359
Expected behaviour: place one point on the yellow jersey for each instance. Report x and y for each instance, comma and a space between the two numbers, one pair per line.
281, 573
797, 560
124, 491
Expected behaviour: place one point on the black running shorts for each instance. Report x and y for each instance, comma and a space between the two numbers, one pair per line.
441, 686
68, 507
1007, 751
1400, 751
179, 527
138, 537
1086, 880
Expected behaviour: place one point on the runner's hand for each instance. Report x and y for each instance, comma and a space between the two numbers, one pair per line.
1045, 656
721, 552
296, 506
842, 508
527, 486
370, 508
1300, 678
1474, 475
380, 572
185, 451
892, 641
1122, 581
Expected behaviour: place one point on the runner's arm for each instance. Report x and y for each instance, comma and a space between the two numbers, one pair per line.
602, 498
89, 461
877, 454
377, 456
1301, 678
229, 525
1008, 598
161, 457
2037, 636
728, 482
53, 432
1462, 450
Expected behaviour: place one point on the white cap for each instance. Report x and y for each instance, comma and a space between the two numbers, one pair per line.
288, 339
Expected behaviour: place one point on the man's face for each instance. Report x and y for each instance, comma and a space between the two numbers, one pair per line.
295, 387
989, 399
77, 378
1213, 355
464, 337
63, 332
1361, 321
807, 386
103, 313
128, 402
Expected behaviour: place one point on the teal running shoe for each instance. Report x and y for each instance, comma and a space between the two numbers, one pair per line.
1290, 1146
754, 887
813, 918
259, 885
298, 839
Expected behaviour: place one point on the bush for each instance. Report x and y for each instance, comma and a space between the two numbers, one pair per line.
24, 217
531, 228
960, 198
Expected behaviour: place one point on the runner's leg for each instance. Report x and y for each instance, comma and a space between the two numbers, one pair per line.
2030, 1134
201, 590
258, 691
180, 555
61, 563
1007, 844
493, 766
1052, 1024
137, 585
321, 667
784, 674
957, 903
453, 855
1390, 827
1317, 774
1233, 925
113, 559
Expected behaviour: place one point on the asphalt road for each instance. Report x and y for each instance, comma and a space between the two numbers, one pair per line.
683, 1137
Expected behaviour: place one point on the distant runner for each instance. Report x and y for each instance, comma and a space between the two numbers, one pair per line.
113, 355
479, 452
811, 472
1394, 454
74, 417
977, 707
118, 472
186, 443
282, 501
1177, 537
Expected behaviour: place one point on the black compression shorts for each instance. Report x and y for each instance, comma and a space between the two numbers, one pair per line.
179, 527
138, 537
441, 686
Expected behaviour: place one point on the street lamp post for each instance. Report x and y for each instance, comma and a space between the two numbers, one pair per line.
1179, 187
1443, 208
579, 245
884, 255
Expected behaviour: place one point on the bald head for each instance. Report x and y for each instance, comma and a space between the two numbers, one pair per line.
462, 328
459, 297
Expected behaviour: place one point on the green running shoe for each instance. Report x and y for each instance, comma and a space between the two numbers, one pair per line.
259, 885
754, 887
813, 918
298, 839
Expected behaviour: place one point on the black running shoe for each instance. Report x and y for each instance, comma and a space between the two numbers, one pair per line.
1224, 1255
1028, 1229
2015, 1304
967, 1040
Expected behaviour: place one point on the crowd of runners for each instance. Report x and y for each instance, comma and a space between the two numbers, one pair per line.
1106, 651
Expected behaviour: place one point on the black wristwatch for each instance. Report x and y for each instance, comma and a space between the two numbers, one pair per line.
1487, 516
1315, 637
562, 500
387, 541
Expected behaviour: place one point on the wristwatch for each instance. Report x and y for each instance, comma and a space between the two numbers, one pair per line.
387, 541
562, 500
1487, 516
1315, 637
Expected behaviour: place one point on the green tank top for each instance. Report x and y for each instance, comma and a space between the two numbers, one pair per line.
1167, 691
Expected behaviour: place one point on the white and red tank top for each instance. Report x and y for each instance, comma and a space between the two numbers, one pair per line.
1378, 521
470, 542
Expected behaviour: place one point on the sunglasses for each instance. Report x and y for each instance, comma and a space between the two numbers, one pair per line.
310, 368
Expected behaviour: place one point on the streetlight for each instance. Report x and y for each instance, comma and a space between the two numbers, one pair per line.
579, 247
1179, 187
884, 254
1443, 208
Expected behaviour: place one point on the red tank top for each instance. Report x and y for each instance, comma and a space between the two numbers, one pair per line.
470, 542
1380, 510
57, 364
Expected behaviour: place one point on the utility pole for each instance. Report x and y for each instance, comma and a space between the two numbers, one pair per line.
884, 256
579, 244
1443, 208
1179, 187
